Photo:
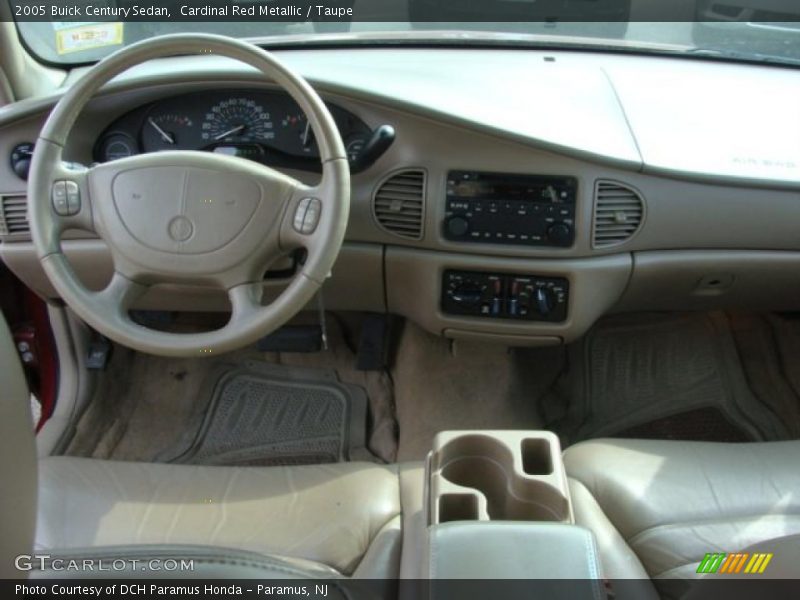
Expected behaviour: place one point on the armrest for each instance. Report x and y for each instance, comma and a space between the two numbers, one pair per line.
512, 550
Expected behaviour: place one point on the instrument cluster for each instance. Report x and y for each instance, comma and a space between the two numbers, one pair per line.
267, 127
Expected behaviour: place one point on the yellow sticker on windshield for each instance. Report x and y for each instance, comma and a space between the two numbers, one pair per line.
87, 37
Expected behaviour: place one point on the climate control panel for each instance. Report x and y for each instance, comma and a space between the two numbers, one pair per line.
505, 296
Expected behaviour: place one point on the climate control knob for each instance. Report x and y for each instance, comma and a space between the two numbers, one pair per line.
468, 294
545, 301
457, 226
559, 233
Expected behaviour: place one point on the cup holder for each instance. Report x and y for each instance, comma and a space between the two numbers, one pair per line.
498, 476
458, 507
536, 456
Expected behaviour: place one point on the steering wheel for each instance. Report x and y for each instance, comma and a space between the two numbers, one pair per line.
188, 217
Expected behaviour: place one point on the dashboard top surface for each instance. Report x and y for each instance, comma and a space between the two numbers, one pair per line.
703, 119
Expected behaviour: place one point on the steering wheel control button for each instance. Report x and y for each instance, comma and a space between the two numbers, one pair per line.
73, 198
59, 198
66, 198
306, 217
300, 213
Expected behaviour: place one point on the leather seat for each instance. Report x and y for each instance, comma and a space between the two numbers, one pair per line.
657, 507
339, 519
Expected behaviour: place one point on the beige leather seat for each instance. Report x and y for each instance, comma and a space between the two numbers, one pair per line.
657, 507
340, 520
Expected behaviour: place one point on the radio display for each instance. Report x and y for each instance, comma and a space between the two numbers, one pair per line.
508, 208
497, 186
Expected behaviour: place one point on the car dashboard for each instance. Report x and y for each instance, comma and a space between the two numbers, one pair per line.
520, 196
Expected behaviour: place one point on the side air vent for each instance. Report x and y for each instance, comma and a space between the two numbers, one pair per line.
618, 213
13, 216
399, 203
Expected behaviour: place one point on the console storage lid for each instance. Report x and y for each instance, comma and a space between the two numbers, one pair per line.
503, 550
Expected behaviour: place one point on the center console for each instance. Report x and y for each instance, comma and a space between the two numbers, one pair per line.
498, 507
510, 209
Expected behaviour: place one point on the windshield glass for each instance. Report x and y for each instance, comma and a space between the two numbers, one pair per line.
698, 27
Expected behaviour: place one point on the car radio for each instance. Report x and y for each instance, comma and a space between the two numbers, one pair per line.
502, 208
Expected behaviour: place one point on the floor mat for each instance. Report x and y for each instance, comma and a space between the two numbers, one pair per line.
144, 407
264, 415
769, 348
707, 424
642, 375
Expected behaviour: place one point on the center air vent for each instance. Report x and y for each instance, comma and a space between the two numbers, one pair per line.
14, 216
618, 213
399, 203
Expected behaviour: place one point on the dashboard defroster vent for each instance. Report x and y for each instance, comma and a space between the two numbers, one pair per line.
14, 216
618, 213
399, 203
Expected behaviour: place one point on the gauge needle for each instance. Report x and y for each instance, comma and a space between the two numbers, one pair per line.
230, 132
306, 134
164, 135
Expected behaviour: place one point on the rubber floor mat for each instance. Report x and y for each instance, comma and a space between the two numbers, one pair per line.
265, 415
662, 376
706, 424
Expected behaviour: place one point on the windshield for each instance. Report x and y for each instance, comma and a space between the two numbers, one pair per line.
738, 32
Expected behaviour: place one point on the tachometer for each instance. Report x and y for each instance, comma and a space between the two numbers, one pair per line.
166, 131
237, 120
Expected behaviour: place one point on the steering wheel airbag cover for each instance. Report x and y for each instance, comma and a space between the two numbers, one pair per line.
201, 210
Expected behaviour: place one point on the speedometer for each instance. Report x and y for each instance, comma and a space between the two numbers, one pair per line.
237, 120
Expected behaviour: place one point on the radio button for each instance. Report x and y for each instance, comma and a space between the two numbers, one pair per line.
559, 233
457, 226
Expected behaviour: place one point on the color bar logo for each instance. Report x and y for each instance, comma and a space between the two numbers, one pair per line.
733, 563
